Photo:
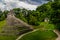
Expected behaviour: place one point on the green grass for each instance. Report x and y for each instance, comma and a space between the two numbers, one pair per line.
40, 35
8, 37
2, 24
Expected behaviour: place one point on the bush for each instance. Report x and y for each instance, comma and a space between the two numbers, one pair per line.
47, 26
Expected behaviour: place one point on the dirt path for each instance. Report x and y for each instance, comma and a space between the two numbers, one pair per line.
26, 34
58, 34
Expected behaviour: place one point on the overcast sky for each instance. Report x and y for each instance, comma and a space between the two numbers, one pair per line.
28, 4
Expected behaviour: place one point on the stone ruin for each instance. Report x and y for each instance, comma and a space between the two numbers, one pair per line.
13, 24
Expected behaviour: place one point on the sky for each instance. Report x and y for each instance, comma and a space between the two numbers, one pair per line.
27, 4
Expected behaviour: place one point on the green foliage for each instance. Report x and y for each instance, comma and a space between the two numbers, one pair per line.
3, 15
50, 10
58, 26
56, 12
44, 8
27, 15
47, 26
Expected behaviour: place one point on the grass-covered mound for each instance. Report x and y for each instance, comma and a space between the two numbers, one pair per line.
40, 35
5, 37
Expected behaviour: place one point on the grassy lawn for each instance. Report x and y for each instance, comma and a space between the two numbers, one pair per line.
8, 37
40, 35
2, 24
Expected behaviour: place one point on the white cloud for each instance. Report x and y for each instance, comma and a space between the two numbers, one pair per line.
27, 6
10, 4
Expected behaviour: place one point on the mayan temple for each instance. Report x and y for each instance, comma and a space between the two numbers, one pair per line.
13, 25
